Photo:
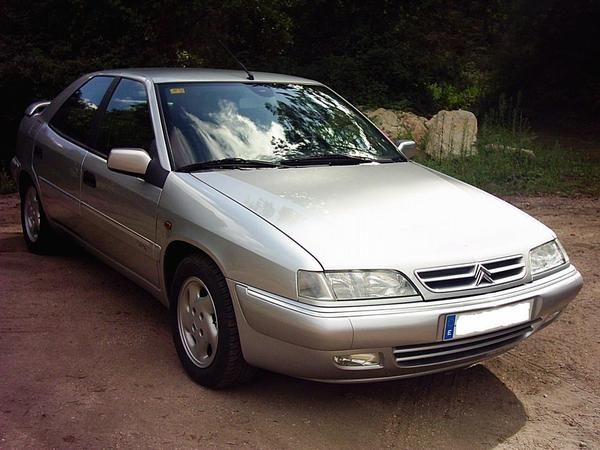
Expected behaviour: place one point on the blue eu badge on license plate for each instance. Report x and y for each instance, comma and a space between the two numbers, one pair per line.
450, 327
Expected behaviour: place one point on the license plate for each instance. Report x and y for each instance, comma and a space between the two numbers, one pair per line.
466, 324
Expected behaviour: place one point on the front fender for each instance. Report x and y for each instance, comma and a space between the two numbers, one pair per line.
246, 248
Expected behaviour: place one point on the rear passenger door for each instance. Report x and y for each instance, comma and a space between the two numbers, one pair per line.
119, 211
60, 148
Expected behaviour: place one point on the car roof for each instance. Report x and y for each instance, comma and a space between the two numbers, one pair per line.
179, 75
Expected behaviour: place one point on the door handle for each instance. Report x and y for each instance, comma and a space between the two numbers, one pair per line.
89, 178
37, 152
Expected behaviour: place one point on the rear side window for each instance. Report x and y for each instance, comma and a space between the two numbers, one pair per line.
75, 117
126, 122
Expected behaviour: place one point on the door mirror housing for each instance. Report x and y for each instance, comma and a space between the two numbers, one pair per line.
129, 161
408, 148
36, 107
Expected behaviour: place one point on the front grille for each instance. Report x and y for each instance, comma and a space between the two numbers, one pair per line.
471, 276
424, 355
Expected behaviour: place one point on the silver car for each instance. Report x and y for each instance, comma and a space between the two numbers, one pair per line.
282, 229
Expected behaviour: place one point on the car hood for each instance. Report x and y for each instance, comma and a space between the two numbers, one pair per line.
399, 216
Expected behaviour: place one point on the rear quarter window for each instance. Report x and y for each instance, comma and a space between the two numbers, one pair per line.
75, 117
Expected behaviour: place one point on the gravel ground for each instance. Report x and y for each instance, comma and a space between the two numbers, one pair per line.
87, 361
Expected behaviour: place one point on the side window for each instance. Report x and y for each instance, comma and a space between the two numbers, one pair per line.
127, 122
76, 115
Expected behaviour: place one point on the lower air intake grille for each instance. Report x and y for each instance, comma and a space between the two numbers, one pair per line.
424, 355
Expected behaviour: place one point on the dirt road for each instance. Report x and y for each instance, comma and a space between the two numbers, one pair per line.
86, 361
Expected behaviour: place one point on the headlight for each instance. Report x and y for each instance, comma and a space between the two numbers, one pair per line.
353, 285
547, 256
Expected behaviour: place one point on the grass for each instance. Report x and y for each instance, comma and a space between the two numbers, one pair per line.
7, 184
502, 168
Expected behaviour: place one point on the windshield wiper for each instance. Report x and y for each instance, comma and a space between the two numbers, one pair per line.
226, 163
331, 160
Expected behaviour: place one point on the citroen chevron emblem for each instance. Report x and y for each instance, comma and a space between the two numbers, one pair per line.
482, 274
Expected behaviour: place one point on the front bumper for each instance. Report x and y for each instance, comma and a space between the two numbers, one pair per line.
301, 340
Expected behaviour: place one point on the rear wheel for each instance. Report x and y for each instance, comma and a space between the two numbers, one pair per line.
36, 229
204, 326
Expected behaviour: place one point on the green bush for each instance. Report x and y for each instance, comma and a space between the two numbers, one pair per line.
504, 164
7, 184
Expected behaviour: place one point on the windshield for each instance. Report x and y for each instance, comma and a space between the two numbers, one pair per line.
266, 122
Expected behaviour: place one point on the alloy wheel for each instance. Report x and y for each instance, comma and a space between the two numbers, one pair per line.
197, 321
32, 215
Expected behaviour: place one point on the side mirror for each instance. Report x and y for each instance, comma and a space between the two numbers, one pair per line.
129, 161
36, 108
408, 148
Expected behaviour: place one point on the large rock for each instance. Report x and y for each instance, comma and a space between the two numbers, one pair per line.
415, 126
447, 134
399, 124
451, 133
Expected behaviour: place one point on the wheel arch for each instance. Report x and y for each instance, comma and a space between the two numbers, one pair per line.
173, 254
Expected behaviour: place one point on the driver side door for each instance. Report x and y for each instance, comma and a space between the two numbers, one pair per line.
119, 211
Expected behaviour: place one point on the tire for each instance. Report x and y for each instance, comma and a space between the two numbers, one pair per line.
204, 326
36, 230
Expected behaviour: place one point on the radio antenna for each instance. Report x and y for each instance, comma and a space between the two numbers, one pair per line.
250, 76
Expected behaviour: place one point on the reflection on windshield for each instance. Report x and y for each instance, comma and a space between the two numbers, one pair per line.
270, 122
229, 134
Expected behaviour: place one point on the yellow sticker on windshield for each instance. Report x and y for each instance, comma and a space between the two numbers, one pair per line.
177, 90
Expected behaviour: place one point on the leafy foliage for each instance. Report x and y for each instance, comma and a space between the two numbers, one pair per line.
419, 55
7, 184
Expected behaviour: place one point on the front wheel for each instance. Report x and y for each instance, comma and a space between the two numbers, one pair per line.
204, 326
